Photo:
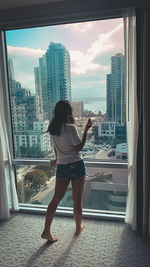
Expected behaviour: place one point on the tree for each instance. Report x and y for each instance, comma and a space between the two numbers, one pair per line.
35, 152
35, 180
49, 170
23, 151
31, 152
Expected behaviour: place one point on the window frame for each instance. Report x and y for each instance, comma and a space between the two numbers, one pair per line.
109, 14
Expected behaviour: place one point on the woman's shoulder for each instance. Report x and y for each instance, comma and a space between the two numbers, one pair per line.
70, 126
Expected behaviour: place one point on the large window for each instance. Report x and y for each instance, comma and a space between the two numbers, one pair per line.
84, 63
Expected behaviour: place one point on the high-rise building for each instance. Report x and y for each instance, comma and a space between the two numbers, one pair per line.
36, 140
40, 74
11, 69
116, 99
106, 129
53, 78
29, 131
77, 109
14, 85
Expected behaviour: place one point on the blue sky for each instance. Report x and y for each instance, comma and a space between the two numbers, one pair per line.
91, 45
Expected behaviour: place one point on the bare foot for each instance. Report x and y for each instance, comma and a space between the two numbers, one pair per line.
78, 231
49, 238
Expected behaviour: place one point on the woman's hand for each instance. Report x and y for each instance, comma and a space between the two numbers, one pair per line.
89, 124
80, 146
53, 162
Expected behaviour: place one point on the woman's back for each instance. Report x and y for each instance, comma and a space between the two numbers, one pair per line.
64, 144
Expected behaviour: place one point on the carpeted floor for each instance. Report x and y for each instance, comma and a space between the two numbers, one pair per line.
101, 244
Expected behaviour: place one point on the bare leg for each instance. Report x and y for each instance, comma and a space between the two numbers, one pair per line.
60, 189
77, 190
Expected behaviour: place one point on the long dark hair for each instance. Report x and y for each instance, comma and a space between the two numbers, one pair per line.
62, 114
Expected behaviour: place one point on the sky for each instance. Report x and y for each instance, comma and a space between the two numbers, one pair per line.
91, 45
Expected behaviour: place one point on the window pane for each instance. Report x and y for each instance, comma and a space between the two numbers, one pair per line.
83, 63
105, 188
35, 183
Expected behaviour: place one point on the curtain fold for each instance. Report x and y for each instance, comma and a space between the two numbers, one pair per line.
137, 50
132, 113
143, 71
8, 194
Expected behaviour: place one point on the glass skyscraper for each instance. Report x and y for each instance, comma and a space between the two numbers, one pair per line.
116, 98
53, 78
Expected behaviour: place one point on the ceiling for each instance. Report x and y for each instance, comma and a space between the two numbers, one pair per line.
6, 4
15, 14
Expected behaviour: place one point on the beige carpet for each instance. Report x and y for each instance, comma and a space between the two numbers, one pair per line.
101, 244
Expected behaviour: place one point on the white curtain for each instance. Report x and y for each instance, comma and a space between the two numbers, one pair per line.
132, 114
8, 195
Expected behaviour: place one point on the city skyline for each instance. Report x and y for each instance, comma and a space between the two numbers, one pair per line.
90, 44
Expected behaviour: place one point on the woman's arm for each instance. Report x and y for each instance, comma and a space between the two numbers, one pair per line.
54, 161
80, 146
55, 152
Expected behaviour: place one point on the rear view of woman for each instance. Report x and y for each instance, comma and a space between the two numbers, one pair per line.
69, 162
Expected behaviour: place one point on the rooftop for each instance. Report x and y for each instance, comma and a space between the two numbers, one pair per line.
122, 148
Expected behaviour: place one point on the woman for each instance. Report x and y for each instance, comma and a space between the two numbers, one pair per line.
70, 165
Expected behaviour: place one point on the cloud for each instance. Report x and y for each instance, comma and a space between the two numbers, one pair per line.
25, 51
106, 42
93, 82
79, 27
83, 62
24, 60
103, 82
90, 56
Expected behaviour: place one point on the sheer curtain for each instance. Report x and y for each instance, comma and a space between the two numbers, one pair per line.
137, 49
8, 195
132, 114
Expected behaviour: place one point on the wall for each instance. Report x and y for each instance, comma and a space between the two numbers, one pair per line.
64, 11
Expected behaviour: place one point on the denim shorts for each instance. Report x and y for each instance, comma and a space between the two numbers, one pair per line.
71, 171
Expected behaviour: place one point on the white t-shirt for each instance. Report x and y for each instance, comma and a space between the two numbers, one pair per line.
64, 144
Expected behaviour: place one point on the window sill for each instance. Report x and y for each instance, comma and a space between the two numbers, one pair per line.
64, 211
